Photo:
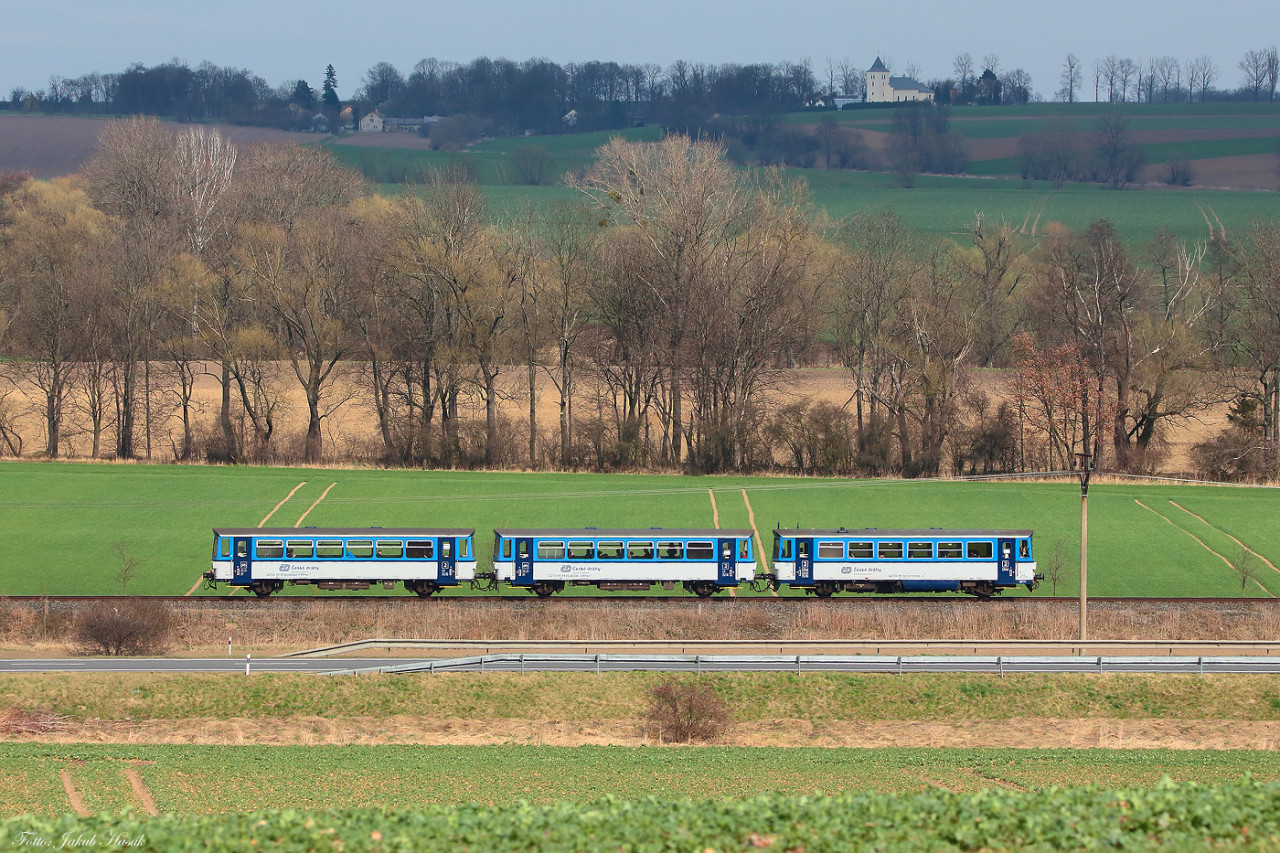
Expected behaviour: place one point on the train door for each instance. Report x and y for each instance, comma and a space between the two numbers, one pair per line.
523, 562
804, 562
1006, 568
727, 562
242, 561
447, 570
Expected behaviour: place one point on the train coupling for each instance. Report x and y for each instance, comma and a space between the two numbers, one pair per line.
765, 583
210, 582
485, 582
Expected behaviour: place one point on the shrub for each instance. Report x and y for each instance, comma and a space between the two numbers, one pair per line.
680, 712
121, 628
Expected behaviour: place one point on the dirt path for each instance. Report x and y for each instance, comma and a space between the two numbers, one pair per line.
73, 793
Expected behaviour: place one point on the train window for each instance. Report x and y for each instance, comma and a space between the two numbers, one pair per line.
464, 549
950, 550
784, 549
609, 551
224, 547
446, 548
360, 549
582, 550
803, 548
390, 549
700, 551
242, 548
744, 549
670, 550
300, 549
889, 550
424, 549
330, 549
980, 551
270, 549
639, 550
522, 548
1024, 549
830, 550
920, 550
550, 550
861, 551
505, 551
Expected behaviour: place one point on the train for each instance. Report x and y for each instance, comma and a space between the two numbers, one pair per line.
544, 561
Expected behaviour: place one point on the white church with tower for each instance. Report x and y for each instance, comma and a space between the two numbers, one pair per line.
884, 88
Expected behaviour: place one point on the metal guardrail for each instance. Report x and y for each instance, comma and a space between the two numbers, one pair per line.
793, 647
897, 665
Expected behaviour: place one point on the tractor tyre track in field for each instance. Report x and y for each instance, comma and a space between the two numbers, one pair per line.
1269, 564
267, 518
141, 790
314, 505
73, 793
1204, 545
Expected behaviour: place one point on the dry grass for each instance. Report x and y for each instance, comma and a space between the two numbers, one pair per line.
276, 629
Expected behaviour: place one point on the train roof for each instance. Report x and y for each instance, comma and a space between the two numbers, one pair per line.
874, 532
343, 531
624, 533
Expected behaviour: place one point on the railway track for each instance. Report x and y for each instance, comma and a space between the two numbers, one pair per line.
285, 601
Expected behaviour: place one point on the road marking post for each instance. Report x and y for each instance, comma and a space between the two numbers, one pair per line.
246, 663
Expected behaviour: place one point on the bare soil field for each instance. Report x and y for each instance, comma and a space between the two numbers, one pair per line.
1028, 733
53, 146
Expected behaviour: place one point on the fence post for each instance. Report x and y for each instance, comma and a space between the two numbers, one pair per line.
1000, 664
246, 663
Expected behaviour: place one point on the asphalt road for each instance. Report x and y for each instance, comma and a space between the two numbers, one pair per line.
664, 663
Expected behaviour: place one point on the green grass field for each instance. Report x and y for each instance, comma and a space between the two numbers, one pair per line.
219, 779
60, 523
936, 205
617, 700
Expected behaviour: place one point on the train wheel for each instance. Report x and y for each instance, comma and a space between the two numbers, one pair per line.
824, 589
425, 589
705, 590
262, 588
544, 589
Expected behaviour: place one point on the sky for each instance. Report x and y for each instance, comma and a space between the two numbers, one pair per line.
287, 40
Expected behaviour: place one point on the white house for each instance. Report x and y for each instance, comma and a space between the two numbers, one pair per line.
371, 123
883, 88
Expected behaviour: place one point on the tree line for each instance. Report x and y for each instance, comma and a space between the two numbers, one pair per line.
662, 312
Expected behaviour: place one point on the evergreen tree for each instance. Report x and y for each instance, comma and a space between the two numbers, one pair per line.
330, 91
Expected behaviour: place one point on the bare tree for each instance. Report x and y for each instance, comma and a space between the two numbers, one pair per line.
1070, 78
1201, 75
963, 68
683, 199
1254, 66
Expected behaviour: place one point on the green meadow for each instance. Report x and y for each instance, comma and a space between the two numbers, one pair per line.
61, 525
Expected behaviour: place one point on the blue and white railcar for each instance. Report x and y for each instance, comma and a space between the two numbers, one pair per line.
544, 561
978, 562
265, 559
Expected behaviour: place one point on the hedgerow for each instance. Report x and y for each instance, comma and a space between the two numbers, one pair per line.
1240, 815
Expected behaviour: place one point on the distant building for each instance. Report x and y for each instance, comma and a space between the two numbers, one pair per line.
372, 123
883, 88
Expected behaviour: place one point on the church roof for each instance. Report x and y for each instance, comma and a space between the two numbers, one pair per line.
879, 66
